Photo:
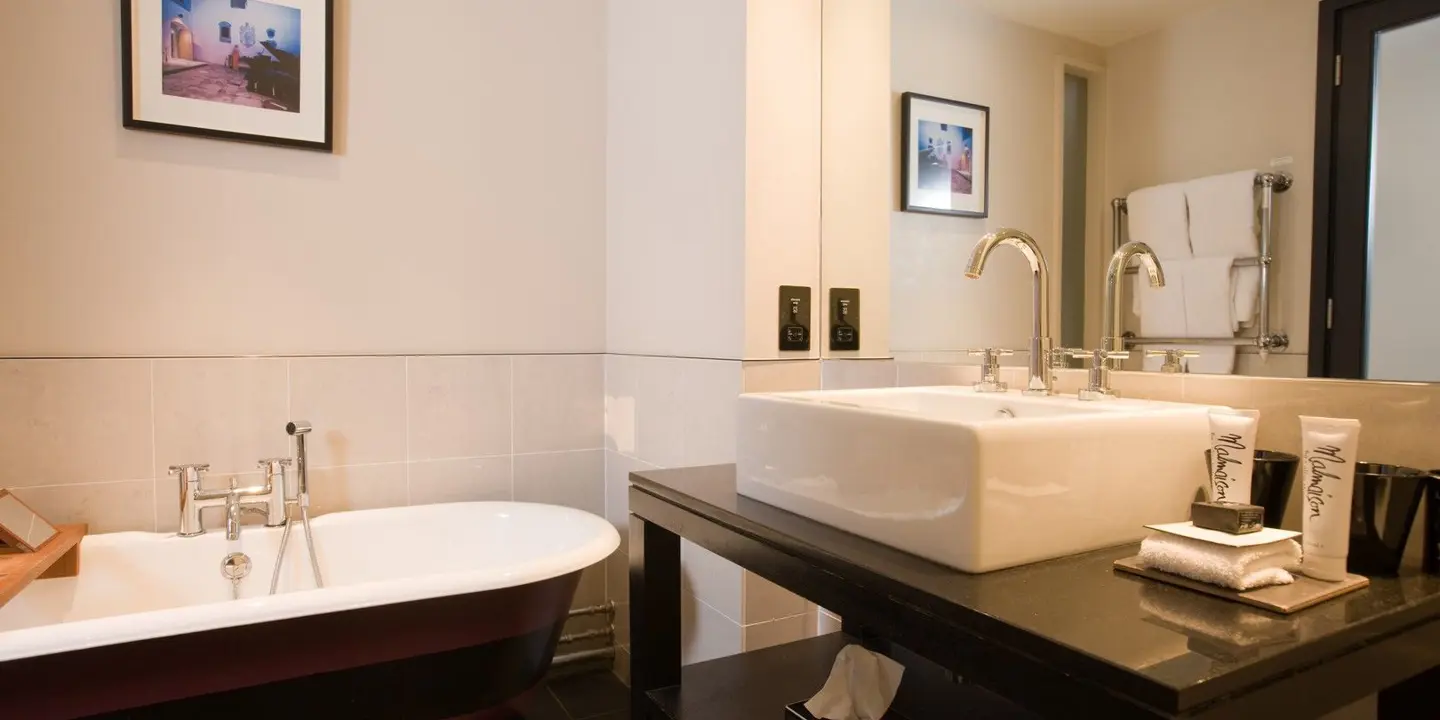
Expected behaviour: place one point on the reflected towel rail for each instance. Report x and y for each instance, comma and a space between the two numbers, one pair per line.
1264, 338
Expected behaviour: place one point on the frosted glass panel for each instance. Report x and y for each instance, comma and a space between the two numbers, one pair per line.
1403, 328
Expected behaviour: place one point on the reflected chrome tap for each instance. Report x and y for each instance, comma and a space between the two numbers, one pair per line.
1041, 380
1113, 320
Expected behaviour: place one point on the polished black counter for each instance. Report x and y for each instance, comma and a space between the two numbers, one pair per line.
1076, 629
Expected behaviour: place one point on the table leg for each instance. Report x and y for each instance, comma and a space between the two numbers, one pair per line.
654, 610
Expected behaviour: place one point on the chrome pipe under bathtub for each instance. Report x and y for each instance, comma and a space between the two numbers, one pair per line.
607, 632
584, 656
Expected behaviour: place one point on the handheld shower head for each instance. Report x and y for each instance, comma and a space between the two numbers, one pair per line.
298, 427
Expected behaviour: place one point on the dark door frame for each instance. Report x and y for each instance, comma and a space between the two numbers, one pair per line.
1342, 141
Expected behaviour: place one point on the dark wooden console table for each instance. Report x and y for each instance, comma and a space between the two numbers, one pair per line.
1062, 638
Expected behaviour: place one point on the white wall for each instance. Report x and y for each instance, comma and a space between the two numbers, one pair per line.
1404, 331
675, 191
950, 49
464, 211
1228, 88
856, 183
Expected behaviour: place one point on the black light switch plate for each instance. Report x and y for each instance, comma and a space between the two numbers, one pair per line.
844, 319
794, 318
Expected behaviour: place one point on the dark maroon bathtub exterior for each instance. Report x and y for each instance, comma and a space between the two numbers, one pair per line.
436, 658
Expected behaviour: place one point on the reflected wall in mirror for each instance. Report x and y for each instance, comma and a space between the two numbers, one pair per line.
21, 528
1096, 101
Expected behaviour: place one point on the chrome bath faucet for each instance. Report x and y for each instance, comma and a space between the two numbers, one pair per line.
267, 499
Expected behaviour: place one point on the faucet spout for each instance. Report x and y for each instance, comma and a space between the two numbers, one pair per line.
1113, 316
1041, 346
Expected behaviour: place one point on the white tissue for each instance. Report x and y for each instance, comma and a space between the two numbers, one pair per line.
861, 686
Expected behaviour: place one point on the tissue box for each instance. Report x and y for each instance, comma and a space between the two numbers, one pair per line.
797, 711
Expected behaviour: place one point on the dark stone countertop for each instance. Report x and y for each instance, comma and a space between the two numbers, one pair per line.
1159, 644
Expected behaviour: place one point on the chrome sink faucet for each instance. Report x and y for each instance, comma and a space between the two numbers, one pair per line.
1041, 380
1112, 317
267, 499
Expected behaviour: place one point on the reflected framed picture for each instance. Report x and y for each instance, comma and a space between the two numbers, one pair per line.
249, 70
944, 156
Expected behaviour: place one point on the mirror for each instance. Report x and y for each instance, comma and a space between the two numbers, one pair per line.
20, 527
1088, 103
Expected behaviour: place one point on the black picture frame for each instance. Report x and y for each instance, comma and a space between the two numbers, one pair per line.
127, 93
908, 200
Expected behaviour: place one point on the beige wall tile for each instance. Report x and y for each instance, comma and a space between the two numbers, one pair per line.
707, 394
858, 374
617, 572
465, 480
713, 579
919, 374
781, 376
458, 407
573, 479
705, 634
1284, 365
229, 412
559, 403
766, 601
107, 507
777, 632
357, 406
617, 510
672, 412
73, 421
622, 624
622, 665
362, 487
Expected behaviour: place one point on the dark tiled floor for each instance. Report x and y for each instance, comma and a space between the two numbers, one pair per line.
597, 696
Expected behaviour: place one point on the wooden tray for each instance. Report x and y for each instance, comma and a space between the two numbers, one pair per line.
58, 557
1284, 599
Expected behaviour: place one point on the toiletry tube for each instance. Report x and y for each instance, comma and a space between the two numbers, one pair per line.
1232, 454
1327, 473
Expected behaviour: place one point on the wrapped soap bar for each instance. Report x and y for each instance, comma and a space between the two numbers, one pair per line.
1233, 518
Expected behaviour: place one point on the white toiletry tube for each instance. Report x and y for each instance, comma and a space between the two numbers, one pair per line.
1232, 453
1328, 477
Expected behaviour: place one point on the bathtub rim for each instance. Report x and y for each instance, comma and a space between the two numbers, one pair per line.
166, 622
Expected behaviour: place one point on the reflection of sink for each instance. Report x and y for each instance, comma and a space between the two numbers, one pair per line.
975, 481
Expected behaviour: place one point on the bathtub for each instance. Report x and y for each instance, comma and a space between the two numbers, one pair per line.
427, 611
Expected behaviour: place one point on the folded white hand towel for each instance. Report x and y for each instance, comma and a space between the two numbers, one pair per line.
1237, 568
1223, 223
1158, 218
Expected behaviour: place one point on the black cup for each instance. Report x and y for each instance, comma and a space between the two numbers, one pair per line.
1385, 501
1270, 481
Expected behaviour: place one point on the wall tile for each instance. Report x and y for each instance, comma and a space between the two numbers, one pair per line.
622, 624
622, 665
465, 480
458, 407
705, 634
858, 374
617, 510
781, 376
707, 402
766, 601
229, 412
622, 388
572, 479
559, 403
74, 421
360, 487
713, 579
777, 632
357, 406
915, 374
1279, 365
107, 507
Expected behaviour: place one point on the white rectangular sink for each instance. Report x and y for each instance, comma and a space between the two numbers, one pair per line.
975, 481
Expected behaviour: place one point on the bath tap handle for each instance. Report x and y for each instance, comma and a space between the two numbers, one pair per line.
1174, 358
189, 474
990, 369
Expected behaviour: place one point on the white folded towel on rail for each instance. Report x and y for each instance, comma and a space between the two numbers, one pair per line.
1224, 223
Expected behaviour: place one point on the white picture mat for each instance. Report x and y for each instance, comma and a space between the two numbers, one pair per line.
976, 120
151, 104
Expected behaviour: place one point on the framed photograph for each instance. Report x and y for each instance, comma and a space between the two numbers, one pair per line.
249, 70
944, 156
